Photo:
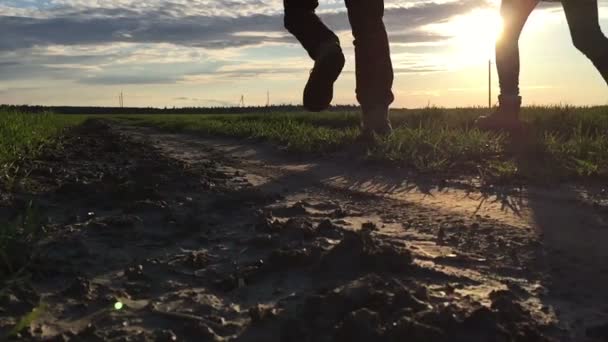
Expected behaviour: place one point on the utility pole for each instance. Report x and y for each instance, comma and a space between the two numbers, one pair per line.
268, 98
121, 100
490, 83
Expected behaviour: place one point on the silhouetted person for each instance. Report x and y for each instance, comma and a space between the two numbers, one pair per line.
582, 16
374, 70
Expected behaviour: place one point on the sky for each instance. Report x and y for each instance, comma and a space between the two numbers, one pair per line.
187, 53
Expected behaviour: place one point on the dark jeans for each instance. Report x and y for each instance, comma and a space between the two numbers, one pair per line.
587, 36
374, 70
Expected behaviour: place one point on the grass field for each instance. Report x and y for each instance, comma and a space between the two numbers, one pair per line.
23, 136
562, 142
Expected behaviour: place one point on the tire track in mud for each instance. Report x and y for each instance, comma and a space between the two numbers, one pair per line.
568, 221
199, 245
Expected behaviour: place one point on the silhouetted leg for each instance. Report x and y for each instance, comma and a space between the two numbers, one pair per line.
305, 25
515, 13
373, 61
586, 33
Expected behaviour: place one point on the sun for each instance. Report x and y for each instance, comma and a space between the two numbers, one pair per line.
472, 36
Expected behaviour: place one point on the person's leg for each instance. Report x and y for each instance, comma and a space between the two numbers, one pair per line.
586, 33
514, 13
374, 70
322, 45
302, 22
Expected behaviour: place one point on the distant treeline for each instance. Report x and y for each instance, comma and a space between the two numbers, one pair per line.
166, 110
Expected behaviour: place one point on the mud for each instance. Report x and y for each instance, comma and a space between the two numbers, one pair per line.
196, 246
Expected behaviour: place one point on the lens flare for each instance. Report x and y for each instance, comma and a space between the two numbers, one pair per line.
473, 35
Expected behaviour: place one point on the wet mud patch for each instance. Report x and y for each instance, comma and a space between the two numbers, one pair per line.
142, 245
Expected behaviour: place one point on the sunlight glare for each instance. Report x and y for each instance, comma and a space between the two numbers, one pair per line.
472, 36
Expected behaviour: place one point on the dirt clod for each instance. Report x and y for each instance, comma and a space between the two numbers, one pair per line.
328, 229
260, 313
135, 273
284, 259
369, 226
360, 248
79, 288
299, 228
361, 325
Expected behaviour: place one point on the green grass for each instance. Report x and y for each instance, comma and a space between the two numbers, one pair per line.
23, 136
563, 142
27, 320
296, 132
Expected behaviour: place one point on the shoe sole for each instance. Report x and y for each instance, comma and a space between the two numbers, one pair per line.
319, 89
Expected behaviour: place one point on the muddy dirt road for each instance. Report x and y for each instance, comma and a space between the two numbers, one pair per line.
216, 240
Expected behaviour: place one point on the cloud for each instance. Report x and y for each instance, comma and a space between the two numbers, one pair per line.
417, 69
129, 79
170, 23
416, 37
118, 42
14, 71
198, 101
8, 64
80, 28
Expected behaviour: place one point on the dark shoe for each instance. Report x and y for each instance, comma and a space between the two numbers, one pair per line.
505, 118
375, 121
319, 90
